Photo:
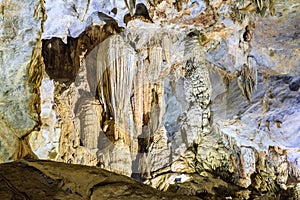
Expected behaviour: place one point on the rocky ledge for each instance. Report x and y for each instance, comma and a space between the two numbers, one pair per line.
32, 180
52, 180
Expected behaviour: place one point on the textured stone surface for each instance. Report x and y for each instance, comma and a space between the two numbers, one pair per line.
20, 73
174, 90
71, 18
253, 129
275, 46
44, 143
51, 180
147, 92
118, 100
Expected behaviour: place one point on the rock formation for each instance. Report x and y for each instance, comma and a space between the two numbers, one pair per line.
165, 92
53, 180
21, 75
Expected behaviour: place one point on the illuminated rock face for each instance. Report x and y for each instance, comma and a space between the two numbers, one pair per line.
21, 69
132, 102
184, 88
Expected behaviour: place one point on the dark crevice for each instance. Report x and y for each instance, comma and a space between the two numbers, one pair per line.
62, 60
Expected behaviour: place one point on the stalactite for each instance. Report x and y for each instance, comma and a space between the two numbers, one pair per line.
115, 71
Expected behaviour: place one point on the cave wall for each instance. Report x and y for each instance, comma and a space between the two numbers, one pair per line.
21, 74
177, 88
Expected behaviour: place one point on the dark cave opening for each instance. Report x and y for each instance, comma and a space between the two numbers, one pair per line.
61, 62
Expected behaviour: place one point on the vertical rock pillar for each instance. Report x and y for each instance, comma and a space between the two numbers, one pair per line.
197, 89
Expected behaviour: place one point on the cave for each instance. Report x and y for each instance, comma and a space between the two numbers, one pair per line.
150, 99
